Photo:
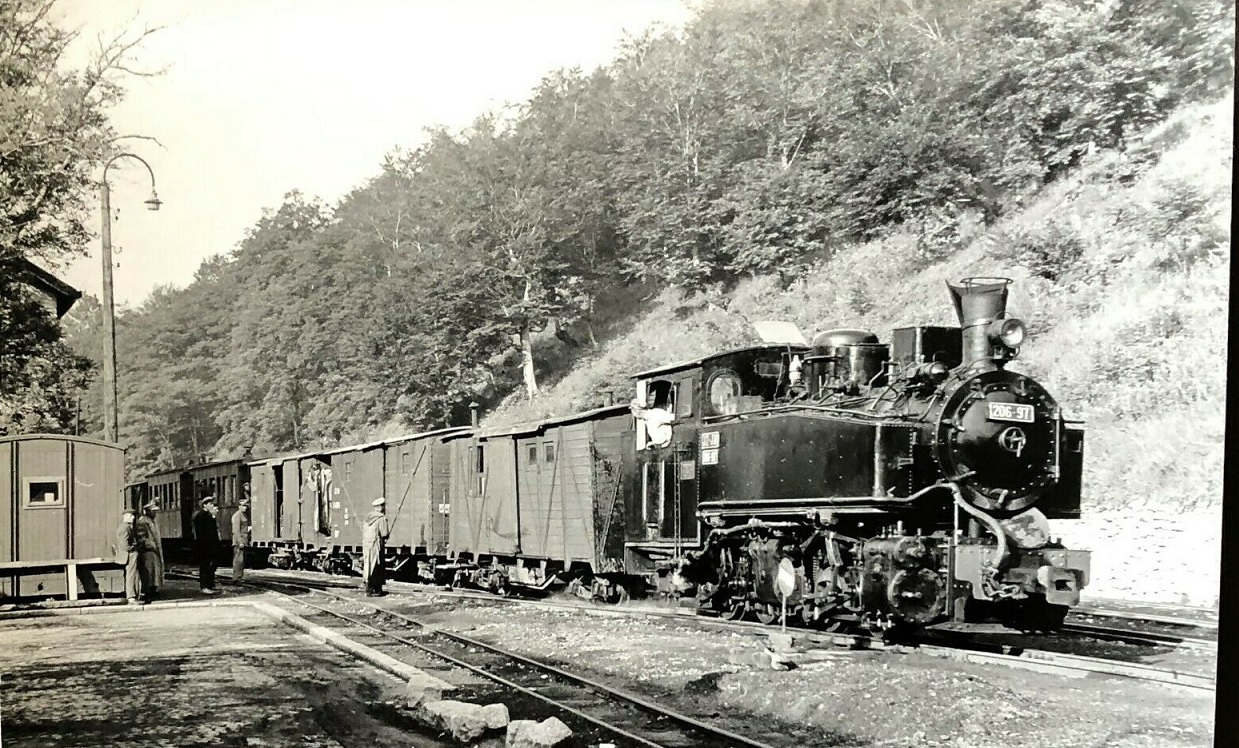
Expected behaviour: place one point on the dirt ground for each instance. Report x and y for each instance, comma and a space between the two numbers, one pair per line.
852, 698
178, 677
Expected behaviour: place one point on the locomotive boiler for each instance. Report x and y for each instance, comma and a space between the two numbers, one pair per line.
880, 484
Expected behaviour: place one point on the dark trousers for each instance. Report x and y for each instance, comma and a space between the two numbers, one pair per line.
206, 571
148, 562
238, 563
374, 583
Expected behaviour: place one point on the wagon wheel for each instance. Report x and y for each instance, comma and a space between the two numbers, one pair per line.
766, 613
734, 610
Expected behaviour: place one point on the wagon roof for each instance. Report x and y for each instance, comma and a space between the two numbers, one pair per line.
534, 426
699, 361
199, 466
59, 438
328, 451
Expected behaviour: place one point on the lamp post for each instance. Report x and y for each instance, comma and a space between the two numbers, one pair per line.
109, 310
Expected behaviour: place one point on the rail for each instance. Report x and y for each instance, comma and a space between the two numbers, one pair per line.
696, 728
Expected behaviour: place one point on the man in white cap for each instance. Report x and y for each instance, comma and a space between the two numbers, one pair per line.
373, 535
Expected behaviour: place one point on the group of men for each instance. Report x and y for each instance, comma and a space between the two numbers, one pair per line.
206, 541
140, 548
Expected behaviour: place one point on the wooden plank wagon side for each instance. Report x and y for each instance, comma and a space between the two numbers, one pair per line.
61, 498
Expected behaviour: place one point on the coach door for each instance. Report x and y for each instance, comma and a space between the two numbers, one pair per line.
670, 490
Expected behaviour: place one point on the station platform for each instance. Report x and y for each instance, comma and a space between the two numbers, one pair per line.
169, 674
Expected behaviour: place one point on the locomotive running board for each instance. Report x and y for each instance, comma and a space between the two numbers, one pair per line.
797, 507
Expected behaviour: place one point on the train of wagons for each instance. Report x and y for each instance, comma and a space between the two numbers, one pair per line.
856, 482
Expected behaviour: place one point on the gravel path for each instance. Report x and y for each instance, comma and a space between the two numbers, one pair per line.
851, 698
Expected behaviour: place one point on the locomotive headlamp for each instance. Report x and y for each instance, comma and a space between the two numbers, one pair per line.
1010, 332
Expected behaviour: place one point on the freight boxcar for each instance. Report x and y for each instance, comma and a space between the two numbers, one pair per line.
62, 500
417, 486
542, 503
309, 508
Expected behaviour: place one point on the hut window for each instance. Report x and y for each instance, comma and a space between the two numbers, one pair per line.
41, 492
550, 452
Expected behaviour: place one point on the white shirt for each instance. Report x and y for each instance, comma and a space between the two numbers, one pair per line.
658, 425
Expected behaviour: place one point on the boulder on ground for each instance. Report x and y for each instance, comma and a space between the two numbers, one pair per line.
465, 722
496, 716
526, 733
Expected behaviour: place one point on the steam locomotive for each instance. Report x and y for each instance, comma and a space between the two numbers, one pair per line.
892, 484
848, 481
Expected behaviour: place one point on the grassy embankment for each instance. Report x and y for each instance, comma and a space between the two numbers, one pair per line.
1122, 272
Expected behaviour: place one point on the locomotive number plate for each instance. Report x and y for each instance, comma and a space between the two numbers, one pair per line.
1017, 412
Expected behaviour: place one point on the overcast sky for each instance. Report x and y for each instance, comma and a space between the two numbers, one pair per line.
261, 97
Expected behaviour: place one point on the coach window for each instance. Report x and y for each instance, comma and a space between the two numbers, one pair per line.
44, 492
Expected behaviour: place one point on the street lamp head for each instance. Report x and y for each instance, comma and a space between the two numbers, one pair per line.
153, 202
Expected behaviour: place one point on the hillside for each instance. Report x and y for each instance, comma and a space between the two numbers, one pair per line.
1122, 272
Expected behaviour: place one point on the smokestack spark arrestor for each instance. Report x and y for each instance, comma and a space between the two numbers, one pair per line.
990, 336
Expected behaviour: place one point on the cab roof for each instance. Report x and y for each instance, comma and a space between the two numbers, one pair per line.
671, 368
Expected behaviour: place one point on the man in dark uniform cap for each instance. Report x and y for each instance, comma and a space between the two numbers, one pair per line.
206, 543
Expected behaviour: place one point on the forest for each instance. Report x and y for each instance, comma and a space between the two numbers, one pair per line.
762, 141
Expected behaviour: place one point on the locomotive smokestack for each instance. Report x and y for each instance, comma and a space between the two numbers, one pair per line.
978, 303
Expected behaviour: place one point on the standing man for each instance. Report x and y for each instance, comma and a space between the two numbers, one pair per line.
150, 551
127, 554
373, 536
206, 543
240, 537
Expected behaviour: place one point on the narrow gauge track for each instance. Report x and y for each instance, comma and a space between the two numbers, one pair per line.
1145, 618
1164, 638
622, 713
1151, 638
959, 648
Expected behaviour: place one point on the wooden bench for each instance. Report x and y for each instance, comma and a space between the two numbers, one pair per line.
70, 567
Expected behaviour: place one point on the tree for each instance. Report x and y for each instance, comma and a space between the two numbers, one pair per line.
41, 379
53, 135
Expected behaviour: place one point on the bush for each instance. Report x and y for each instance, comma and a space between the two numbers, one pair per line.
1049, 251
